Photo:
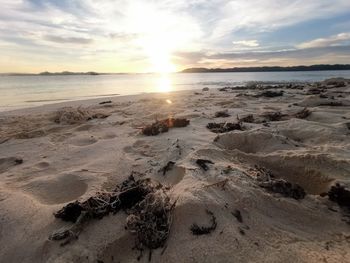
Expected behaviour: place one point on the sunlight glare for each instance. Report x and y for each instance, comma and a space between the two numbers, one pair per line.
160, 34
164, 84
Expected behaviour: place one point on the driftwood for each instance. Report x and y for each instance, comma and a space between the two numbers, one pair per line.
105, 102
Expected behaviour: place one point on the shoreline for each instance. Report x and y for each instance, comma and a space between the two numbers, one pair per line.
71, 89
87, 102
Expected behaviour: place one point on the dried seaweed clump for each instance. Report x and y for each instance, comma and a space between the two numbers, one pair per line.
150, 219
332, 103
270, 94
339, 194
224, 127
222, 114
70, 115
249, 119
303, 114
204, 230
202, 163
273, 116
284, 188
164, 126
145, 200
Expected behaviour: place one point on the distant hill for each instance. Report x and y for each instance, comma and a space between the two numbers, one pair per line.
46, 73
269, 69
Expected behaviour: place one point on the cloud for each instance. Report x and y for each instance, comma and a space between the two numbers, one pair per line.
336, 40
308, 56
114, 32
71, 40
246, 43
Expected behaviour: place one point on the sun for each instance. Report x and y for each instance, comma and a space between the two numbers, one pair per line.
159, 36
161, 62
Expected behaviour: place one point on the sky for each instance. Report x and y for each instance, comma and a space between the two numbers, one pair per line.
170, 35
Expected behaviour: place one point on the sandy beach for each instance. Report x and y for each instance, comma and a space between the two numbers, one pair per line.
288, 133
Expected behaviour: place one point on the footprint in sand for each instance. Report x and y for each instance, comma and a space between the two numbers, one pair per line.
56, 190
141, 147
83, 140
108, 136
314, 171
7, 162
84, 127
254, 142
42, 165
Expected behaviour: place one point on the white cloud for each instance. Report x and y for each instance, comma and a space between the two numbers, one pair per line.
124, 30
336, 40
246, 43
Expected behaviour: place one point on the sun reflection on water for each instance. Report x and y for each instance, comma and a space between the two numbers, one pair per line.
164, 83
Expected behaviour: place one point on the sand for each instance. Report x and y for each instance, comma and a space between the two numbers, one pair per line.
71, 153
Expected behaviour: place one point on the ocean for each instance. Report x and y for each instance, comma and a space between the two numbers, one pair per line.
29, 91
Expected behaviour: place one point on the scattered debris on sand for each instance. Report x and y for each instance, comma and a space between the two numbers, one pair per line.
237, 214
224, 127
18, 161
332, 103
284, 188
155, 128
303, 114
315, 91
70, 115
335, 82
248, 119
70, 212
105, 102
221, 184
164, 126
340, 194
169, 166
205, 89
262, 174
145, 201
202, 163
204, 230
222, 114
270, 94
273, 116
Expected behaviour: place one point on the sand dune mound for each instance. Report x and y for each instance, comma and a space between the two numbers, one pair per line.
313, 132
314, 172
254, 141
70, 115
